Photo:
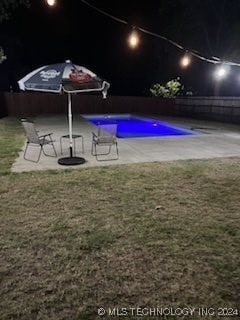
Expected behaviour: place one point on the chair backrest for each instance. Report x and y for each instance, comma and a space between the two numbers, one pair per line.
109, 130
30, 131
107, 134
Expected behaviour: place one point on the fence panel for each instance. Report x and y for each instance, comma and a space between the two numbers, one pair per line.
25, 104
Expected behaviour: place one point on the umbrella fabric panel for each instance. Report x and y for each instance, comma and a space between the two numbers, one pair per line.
77, 78
47, 79
21, 82
94, 84
77, 73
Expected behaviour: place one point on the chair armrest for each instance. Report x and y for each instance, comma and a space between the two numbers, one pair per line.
45, 135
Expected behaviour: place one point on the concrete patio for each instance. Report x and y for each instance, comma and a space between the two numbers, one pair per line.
214, 140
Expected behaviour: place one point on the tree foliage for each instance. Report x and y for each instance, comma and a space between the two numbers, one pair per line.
2, 55
167, 90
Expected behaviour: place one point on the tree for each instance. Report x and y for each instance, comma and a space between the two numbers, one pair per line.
168, 90
6, 8
2, 55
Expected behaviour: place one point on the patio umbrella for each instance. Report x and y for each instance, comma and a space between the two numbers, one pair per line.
68, 78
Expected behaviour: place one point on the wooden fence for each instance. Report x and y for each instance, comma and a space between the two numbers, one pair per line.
225, 109
25, 104
212, 108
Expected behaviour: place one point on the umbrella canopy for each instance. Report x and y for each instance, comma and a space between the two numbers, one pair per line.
64, 77
67, 77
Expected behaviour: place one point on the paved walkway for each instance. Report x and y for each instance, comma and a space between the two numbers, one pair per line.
215, 140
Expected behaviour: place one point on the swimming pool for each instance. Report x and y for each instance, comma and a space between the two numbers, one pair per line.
131, 126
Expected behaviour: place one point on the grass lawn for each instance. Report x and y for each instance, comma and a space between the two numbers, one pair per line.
144, 235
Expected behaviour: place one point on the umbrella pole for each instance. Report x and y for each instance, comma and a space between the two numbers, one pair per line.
70, 123
70, 161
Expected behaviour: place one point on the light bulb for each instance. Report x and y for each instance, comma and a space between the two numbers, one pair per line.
221, 72
185, 61
133, 39
51, 3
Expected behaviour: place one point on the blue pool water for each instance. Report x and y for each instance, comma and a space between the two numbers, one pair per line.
130, 126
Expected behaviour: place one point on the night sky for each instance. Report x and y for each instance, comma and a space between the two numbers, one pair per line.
41, 35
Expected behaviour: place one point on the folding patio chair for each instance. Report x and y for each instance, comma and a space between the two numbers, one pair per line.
35, 140
106, 137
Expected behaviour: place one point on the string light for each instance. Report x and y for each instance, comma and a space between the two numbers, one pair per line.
133, 39
186, 60
213, 60
51, 3
221, 72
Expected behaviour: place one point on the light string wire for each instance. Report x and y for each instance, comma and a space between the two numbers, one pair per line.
214, 60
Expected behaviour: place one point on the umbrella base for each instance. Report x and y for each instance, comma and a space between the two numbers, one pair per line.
71, 161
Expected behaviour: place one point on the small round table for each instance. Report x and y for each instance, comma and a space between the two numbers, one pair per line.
74, 137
